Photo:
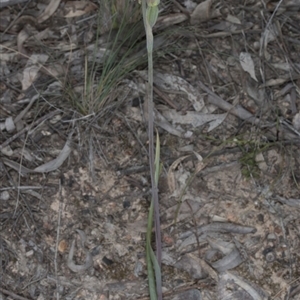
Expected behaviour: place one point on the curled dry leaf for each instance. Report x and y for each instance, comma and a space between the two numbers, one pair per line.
229, 261
171, 174
16, 166
49, 11
57, 162
234, 287
78, 8
88, 260
201, 13
21, 38
220, 245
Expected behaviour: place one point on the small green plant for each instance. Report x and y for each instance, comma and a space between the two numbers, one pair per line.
102, 75
248, 160
249, 166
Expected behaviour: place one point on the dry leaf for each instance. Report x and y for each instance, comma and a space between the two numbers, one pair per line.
233, 19
162, 122
78, 8
62, 246
228, 262
199, 166
171, 173
229, 285
216, 122
296, 121
269, 35
16, 166
273, 82
247, 64
21, 38
201, 13
170, 19
225, 26
31, 70
167, 82
49, 11
57, 162
193, 118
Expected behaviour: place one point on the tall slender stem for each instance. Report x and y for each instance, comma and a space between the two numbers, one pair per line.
149, 36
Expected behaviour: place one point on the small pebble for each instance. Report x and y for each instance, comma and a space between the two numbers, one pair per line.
4, 196
271, 236
29, 253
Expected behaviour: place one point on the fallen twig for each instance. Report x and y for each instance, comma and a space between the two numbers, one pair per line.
244, 114
13, 295
28, 127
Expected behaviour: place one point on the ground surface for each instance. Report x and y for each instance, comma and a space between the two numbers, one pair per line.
74, 163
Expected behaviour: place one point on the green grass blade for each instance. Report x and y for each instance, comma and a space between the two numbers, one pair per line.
154, 278
157, 159
156, 268
149, 251
157, 173
150, 14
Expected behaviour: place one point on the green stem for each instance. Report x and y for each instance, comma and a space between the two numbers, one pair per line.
152, 11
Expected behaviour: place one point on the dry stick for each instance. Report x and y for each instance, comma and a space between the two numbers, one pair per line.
11, 3
17, 17
11, 294
242, 113
165, 98
237, 111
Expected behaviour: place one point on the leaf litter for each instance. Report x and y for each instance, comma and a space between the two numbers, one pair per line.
236, 103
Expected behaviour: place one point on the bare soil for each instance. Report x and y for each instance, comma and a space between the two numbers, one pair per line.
73, 170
